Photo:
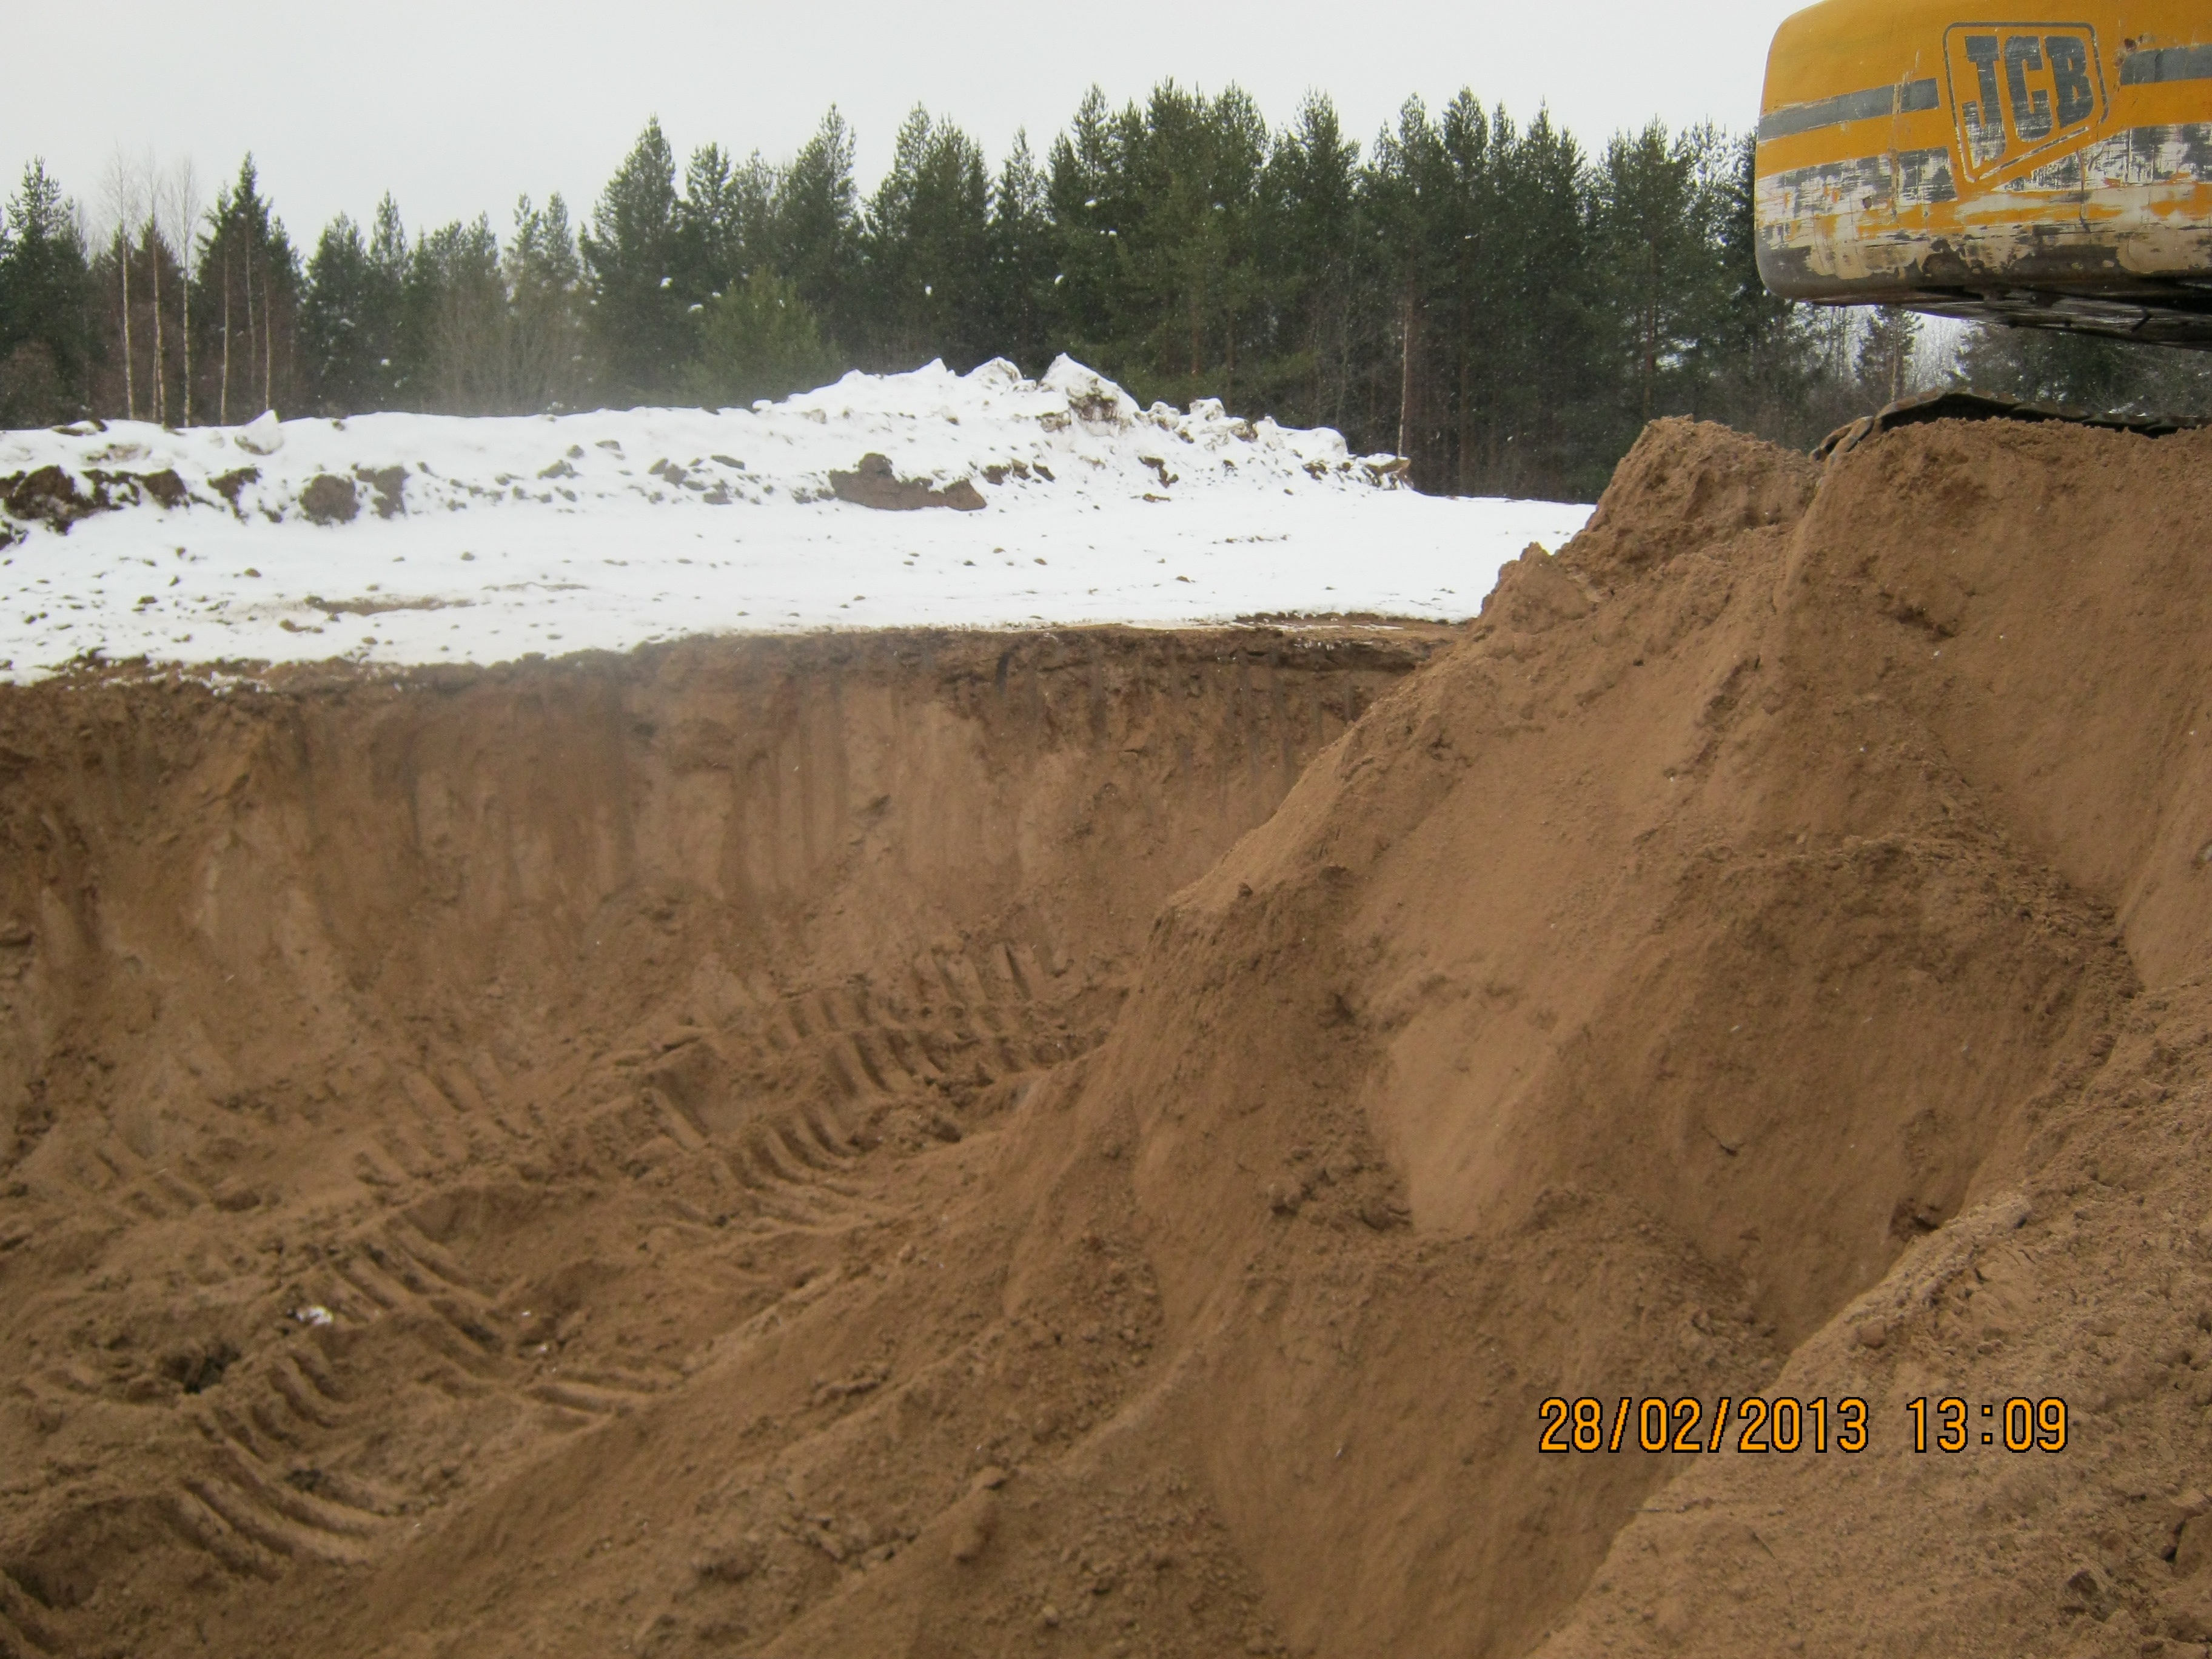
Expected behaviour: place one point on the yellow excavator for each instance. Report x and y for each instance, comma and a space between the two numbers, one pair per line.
2043, 168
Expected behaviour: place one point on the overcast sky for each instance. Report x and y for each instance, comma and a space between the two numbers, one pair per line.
458, 107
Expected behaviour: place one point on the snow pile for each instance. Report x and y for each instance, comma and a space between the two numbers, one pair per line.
421, 538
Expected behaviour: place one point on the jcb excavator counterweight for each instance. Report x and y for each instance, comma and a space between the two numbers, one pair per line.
2047, 171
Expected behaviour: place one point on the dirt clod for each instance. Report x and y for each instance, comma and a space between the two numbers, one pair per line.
329, 499
230, 485
49, 493
390, 485
873, 483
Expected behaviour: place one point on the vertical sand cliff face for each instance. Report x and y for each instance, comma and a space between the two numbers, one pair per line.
1101, 1144
548, 855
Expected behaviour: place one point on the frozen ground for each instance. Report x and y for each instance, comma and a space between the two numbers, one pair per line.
482, 540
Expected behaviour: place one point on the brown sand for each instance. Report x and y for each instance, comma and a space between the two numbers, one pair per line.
1099, 1144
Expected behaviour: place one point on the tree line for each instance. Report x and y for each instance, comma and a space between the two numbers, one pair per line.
1486, 297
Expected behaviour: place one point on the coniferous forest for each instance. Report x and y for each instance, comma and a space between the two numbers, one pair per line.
1486, 297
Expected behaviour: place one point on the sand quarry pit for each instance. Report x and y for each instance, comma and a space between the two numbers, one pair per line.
1101, 1143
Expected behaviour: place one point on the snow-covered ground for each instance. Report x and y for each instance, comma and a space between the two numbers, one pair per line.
482, 540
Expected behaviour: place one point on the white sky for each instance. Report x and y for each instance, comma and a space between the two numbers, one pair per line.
458, 107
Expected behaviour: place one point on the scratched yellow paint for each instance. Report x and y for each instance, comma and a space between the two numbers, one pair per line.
2051, 168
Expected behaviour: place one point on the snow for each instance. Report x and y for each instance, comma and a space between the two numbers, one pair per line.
605, 530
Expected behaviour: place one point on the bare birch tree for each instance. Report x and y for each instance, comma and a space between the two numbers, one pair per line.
123, 190
223, 398
156, 245
179, 210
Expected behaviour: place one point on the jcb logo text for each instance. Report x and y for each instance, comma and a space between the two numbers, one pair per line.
2021, 89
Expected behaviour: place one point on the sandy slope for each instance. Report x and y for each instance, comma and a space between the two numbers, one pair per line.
1100, 1144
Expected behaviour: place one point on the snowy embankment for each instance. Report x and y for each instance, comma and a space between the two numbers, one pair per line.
410, 538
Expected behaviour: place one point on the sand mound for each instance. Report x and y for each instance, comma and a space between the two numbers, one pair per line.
1689, 485
1102, 1145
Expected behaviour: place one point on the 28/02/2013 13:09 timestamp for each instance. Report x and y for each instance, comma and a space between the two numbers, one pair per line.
1757, 1426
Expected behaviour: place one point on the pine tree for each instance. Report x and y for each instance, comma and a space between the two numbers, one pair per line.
1200, 170
717, 219
1086, 198
640, 323
546, 368
1656, 223
340, 364
247, 286
358, 355
1540, 323
759, 339
1158, 212
457, 317
1309, 225
813, 238
382, 319
1023, 303
927, 242
45, 298
1473, 254
1412, 216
